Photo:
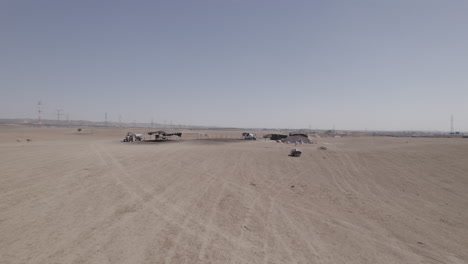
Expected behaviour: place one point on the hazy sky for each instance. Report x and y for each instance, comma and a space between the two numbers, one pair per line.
375, 64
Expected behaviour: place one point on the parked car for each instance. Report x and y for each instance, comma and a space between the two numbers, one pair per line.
249, 136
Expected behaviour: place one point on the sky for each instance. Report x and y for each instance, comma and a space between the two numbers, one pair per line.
352, 64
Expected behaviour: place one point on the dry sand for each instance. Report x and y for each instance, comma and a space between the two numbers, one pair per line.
88, 198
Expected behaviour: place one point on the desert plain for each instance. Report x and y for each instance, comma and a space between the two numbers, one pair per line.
86, 197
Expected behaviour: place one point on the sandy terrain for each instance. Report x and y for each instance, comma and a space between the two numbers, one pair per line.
88, 198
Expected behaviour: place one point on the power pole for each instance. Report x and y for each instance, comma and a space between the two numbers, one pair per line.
59, 114
68, 121
105, 117
120, 121
39, 113
451, 125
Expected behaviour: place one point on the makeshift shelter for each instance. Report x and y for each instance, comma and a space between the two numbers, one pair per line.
296, 139
297, 134
277, 136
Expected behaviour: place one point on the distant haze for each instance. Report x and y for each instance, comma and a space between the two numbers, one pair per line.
380, 65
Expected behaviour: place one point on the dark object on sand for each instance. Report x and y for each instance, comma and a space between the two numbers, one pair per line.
323, 148
295, 153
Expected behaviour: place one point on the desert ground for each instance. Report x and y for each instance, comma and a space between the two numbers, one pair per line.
69, 197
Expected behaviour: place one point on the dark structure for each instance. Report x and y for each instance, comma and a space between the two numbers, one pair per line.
163, 134
297, 134
275, 136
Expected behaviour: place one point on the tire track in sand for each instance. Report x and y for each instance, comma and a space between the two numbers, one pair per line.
140, 194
